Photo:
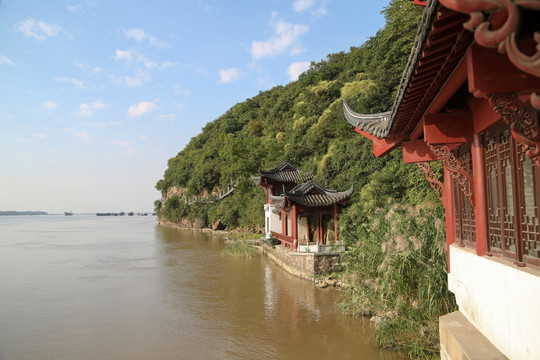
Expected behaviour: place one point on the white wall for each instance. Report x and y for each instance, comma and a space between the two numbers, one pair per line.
275, 223
500, 299
302, 230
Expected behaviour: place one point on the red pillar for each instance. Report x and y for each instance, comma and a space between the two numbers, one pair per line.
283, 222
294, 226
448, 201
320, 234
336, 237
479, 176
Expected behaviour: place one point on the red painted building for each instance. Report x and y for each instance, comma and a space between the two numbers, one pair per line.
469, 98
299, 212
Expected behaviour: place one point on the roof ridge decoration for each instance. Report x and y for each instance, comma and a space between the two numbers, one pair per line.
284, 172
373, 124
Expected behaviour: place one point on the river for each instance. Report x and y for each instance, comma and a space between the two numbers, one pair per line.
87, 287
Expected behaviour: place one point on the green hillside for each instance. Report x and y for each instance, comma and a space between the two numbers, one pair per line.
395, 261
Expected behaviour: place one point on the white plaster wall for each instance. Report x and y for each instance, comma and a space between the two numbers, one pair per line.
302, 229
275, 223
500, 299
289, 224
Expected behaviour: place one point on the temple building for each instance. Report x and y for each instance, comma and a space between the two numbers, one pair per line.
469, 97
298, 212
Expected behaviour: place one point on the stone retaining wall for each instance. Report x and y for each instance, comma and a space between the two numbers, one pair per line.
304, 265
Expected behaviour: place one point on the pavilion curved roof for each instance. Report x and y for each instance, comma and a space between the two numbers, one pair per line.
285, 172
311, 194
440, 44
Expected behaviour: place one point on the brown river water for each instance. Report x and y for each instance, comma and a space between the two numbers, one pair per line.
88, 287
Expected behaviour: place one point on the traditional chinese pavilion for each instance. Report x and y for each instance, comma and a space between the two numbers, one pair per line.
297, 211
469, 97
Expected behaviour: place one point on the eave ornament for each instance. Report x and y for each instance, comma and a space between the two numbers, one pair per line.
454, 166
432, 178
505, 38
522, 124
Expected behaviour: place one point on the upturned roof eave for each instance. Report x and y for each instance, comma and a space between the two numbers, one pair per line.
372, 124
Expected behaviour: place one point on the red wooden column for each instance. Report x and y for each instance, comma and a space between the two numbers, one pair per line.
479, 175
319, 228
283, 222
449, 210
336, 237
294, 226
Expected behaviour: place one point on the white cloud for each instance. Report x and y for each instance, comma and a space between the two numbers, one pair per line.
123, 55
179, 91
167, 117
286, 38
38, 136
49, 105
137, 110
94, 70
23, 140
148, 63
140, 78
104, 125
83, 135
296, 68
75, 8
89, 109
37, 29
139, 35
132, 55
120, 143
5, 60
302, 5
228, 75
79, 84
168, 65
136, 34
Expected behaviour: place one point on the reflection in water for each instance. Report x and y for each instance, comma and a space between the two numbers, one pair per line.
124, 288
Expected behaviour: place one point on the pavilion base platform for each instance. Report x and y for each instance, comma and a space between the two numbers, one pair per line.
303, 264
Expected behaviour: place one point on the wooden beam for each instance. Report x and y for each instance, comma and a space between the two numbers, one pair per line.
381, 147
448, 128
492, 73
417, 151
483, 114
452, 85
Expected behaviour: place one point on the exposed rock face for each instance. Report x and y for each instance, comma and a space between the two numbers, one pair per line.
174, 190
218, 225
183, 224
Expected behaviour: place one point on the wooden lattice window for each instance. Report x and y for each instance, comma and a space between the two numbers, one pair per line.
513, 198
464, 212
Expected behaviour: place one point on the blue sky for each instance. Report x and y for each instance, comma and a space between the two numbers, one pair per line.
97, 95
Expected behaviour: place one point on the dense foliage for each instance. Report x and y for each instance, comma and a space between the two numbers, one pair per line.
303, 123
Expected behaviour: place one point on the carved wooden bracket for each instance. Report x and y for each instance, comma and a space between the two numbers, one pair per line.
432, 178
463, 178
505, 37
522, 124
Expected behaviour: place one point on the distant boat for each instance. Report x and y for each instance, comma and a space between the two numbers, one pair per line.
68, 213
131, 213
104, 214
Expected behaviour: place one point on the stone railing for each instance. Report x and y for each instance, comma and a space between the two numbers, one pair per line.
321, 248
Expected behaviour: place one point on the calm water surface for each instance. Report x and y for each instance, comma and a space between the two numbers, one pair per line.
88, 287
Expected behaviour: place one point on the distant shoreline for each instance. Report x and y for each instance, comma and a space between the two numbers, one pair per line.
10, 213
